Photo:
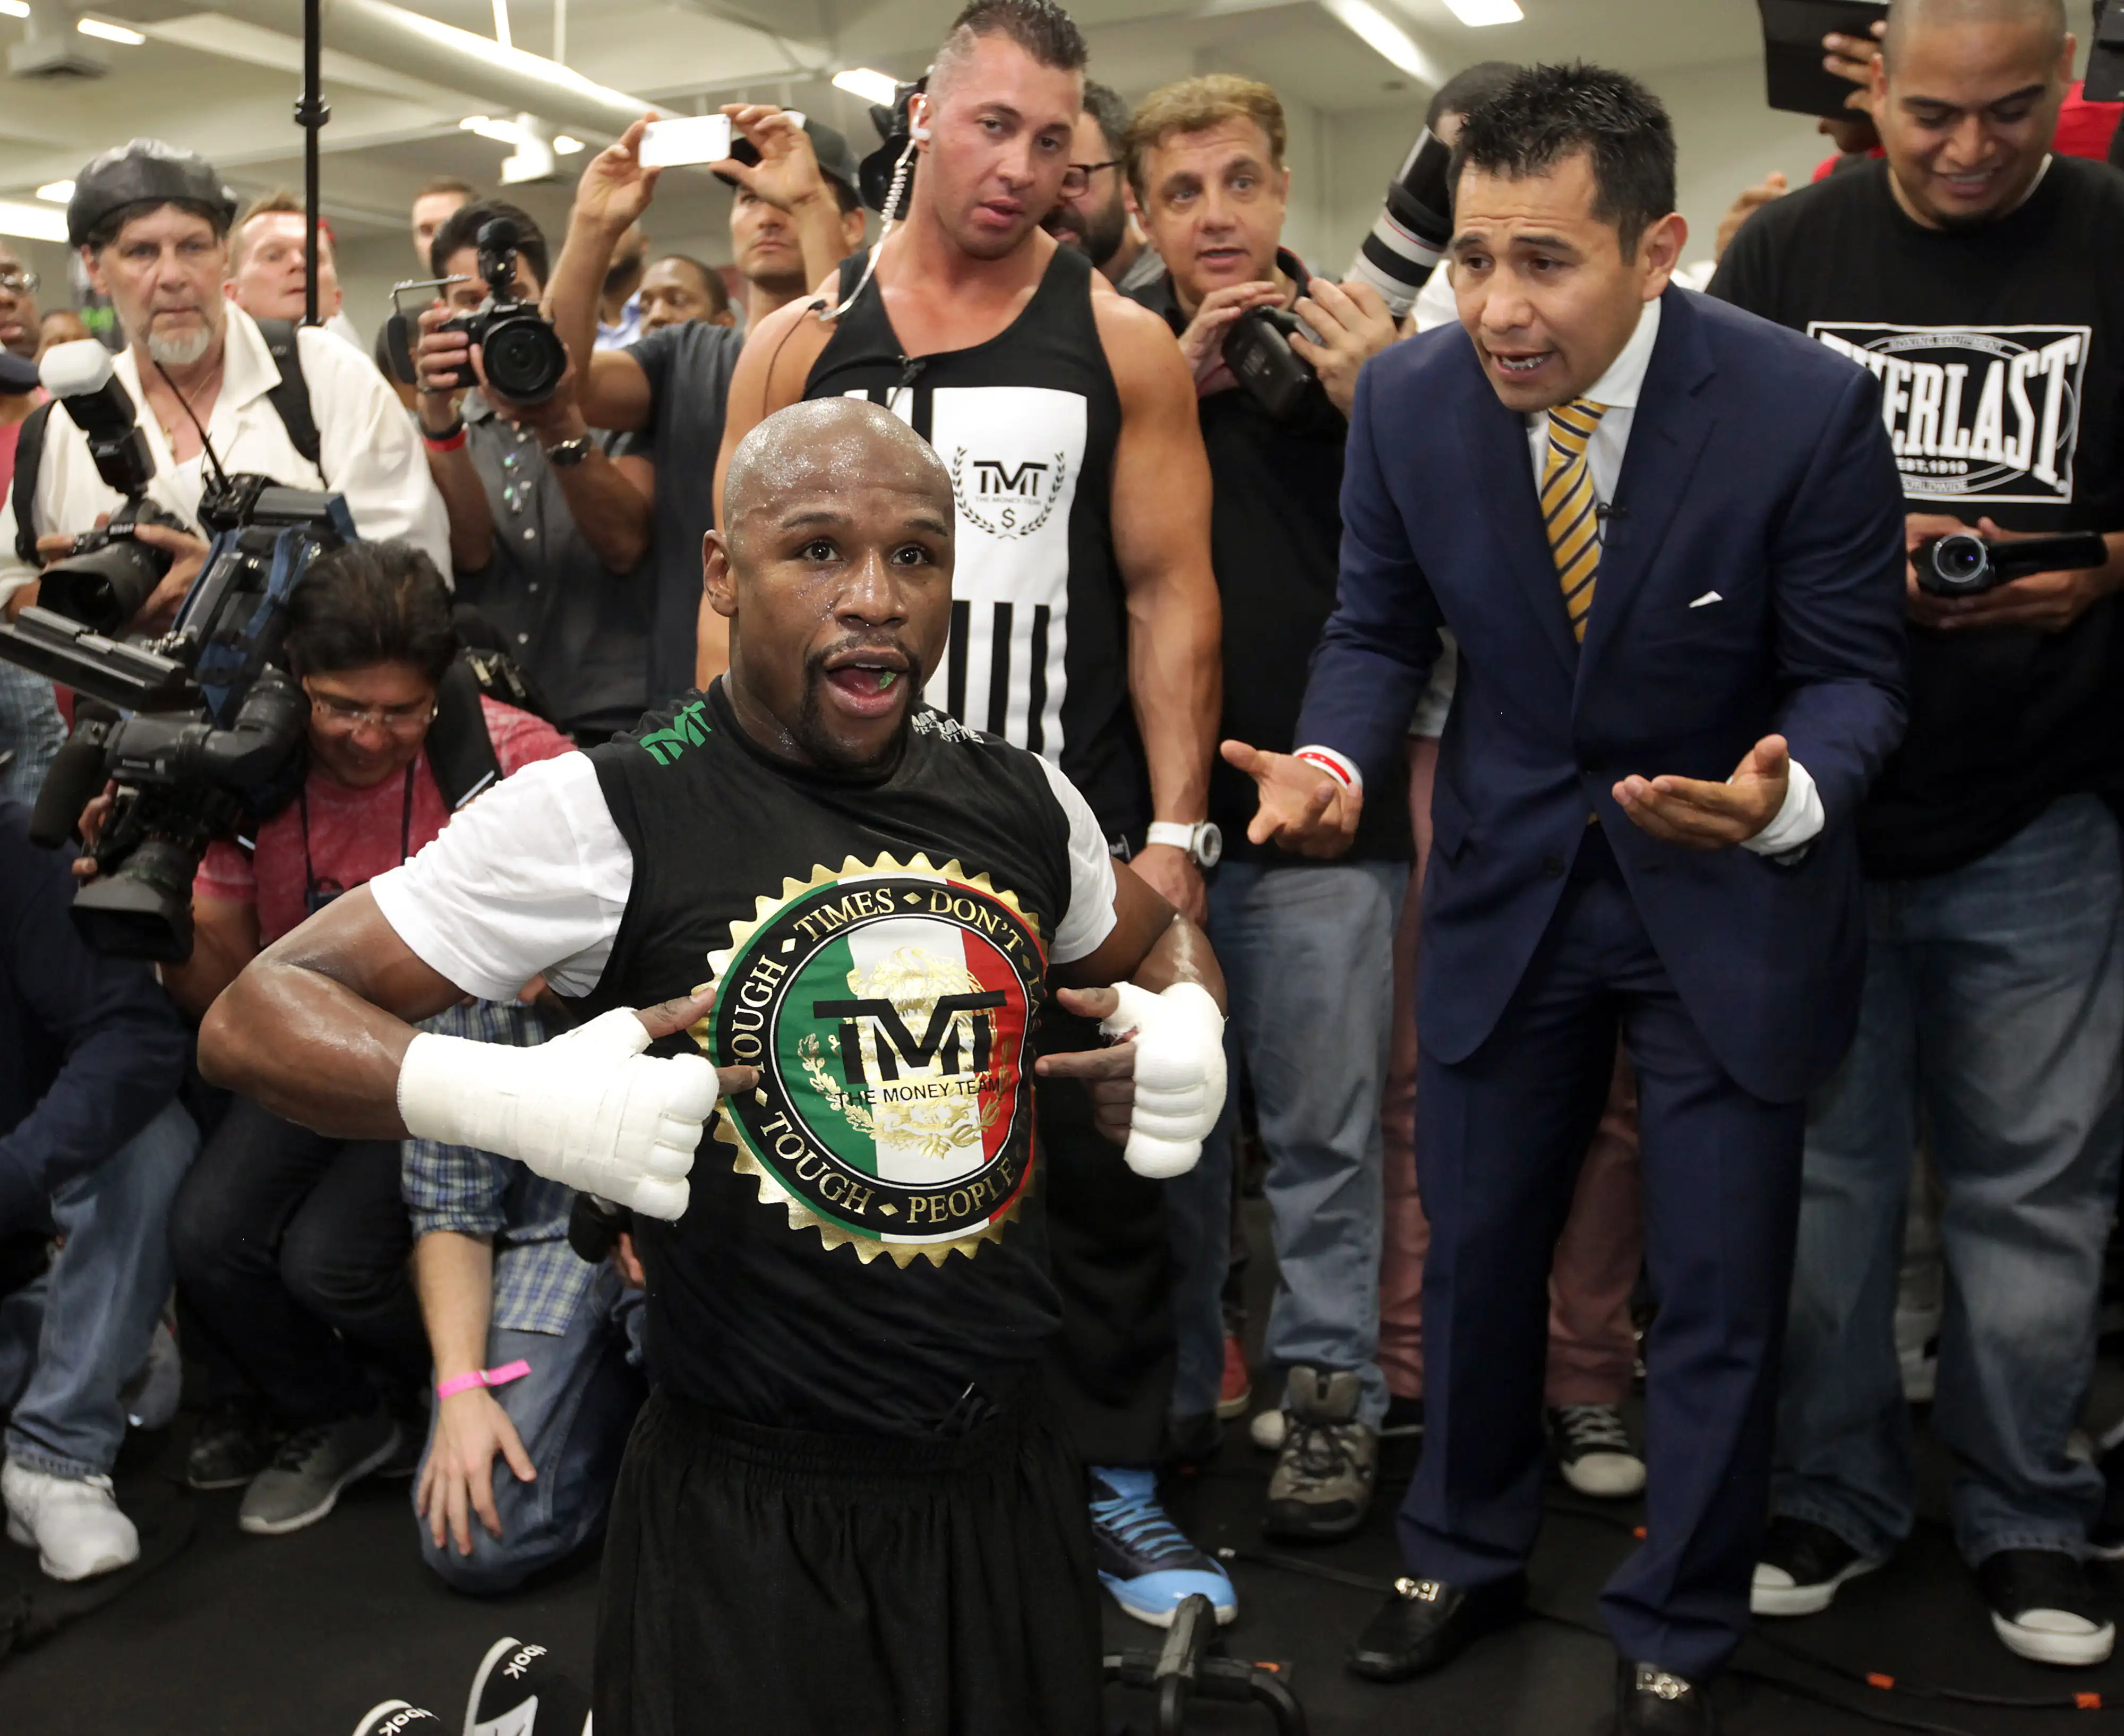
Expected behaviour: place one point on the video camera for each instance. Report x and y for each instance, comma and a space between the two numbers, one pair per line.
199, 729
1963, 564
523, 354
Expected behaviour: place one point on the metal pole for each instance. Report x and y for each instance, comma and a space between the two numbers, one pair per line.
310, 114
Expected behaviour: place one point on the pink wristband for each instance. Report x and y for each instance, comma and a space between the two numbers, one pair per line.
501, 1376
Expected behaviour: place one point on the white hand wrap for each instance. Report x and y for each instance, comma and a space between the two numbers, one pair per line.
1179, 1074
588, 1109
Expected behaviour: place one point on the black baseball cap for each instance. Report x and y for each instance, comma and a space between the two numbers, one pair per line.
837, 163
145, 172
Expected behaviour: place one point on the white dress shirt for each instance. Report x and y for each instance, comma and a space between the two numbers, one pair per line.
1800, 820
370, 450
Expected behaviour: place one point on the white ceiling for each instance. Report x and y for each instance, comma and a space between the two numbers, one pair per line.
224, 87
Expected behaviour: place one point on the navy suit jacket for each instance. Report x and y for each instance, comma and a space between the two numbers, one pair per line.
1757, 468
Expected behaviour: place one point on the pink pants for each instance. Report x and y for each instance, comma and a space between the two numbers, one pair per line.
1591, 1347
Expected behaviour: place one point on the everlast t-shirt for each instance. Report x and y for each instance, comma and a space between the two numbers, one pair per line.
1998, 352
861, 1252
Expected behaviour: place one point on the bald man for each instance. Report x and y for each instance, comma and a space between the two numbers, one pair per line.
1962, 272
844, 1508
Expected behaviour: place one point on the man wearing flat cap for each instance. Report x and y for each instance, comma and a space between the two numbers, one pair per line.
151, 223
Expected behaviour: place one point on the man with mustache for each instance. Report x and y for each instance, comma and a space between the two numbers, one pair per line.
151, 223
1085, 620
847, 1459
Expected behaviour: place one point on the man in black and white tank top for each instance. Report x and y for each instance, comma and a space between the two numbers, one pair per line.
1085, 621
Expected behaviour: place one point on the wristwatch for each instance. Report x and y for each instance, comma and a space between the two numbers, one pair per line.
1203, 842
569, 452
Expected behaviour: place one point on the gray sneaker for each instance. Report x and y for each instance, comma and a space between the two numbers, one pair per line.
1321, 1488
313, 1466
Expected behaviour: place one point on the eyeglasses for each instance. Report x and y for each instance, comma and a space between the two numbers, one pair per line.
19, 283
345, 717
1078, 176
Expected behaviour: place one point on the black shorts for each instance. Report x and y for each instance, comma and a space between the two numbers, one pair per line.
765, 1580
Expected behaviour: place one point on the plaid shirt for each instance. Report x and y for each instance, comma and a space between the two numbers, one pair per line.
539, 1280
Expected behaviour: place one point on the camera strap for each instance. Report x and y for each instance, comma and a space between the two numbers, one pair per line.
290, 396
29, 456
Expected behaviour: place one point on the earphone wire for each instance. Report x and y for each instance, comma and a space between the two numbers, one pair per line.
900, 171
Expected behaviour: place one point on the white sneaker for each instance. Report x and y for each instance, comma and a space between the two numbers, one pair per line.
1268, 1428
1595, 1452
74, 1523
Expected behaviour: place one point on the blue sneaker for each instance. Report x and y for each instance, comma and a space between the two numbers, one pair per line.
1143, 1560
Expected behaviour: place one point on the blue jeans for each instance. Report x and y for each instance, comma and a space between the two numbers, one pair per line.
70, 1341
1994, 1009
1308, 956
572, 1412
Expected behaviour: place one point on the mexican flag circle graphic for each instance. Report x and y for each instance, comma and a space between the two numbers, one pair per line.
889, 1008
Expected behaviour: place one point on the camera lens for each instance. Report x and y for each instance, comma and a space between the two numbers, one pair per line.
106, 588
525, 358
1962, 561
144, 910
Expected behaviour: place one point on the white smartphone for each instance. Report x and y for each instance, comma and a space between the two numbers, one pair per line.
669, 144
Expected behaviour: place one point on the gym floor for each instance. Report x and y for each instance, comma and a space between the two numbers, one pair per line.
217, 1634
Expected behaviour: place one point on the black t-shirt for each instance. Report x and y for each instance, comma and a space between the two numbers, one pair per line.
689, 367
863, 1241
2000, 352
1275, 536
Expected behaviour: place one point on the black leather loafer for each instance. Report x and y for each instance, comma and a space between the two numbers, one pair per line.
1425, 1625
1650, 1702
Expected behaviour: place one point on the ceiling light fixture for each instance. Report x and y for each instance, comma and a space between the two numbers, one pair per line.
868, 83
566, 145
1468, 11
35, 223
1385, 38
14, 8
108, 32
59, 192
502, 132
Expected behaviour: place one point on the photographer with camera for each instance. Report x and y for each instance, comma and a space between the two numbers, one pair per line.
1958, 272
151, 225
1307, 948
794, 214
291, 1249
93, 1148
549, 537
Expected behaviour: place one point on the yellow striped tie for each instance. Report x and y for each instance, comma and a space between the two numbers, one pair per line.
1570, 508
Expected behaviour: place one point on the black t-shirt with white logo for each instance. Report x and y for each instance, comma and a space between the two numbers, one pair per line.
863, 1242
2000, 355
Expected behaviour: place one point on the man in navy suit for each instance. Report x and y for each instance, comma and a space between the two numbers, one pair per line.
1668, 537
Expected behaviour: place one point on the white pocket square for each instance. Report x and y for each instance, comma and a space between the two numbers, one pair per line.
1708, 596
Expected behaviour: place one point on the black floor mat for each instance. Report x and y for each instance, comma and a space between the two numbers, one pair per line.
34, 1608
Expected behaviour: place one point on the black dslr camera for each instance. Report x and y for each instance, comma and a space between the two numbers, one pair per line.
1963, 564
523, 356
108, 576
200, 730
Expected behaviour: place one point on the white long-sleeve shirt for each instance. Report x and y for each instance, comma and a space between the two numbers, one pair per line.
369, 450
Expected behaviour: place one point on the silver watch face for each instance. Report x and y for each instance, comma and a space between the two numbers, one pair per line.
1208, 844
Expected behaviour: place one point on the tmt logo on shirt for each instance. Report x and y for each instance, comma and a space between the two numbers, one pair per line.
1983, 413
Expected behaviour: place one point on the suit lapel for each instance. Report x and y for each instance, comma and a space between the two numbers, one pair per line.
1668, 434
1504, 472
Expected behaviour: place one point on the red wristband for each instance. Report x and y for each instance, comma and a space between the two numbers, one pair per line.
451, 442
1328, 764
